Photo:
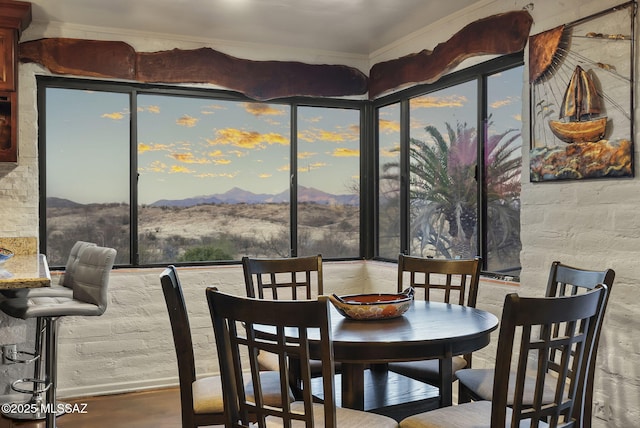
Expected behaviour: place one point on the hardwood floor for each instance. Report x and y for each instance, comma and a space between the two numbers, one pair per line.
149, 409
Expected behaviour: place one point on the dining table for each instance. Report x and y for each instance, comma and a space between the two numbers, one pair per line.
428, 330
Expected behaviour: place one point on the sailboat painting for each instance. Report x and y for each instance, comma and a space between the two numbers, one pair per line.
581, 105
581, 98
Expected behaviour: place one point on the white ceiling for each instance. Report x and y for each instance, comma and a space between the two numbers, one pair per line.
347, 26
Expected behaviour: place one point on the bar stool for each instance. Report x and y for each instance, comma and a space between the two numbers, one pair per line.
63, 289
90, 283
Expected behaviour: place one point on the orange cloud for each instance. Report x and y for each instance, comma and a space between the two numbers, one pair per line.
258, 109
114, 116
283, 168
429, 101
305, 155
265, 175
188, 158
222, 161
311, 166
505, 102
187, 121
237, 153
180, 169
228, 175
312, 135
157, 166
388, 126
247, 139
143, 147
344, 152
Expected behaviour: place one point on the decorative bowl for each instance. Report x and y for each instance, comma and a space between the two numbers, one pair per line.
373, 306
5, 255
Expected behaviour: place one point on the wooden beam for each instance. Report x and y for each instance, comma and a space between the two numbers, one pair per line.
261, 80
498, 34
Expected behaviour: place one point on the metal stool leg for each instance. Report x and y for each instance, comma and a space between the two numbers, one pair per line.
38, 384
51, 369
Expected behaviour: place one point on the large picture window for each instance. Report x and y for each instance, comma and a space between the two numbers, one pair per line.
449, 165
195, 176
212, 176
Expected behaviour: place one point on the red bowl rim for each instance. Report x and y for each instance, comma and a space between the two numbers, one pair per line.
399, 298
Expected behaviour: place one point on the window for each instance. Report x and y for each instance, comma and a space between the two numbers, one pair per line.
389, 219
430, 140
211, 175
86, 160
186, 175
328, 182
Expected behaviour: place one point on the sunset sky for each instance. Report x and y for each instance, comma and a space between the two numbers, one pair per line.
191, 146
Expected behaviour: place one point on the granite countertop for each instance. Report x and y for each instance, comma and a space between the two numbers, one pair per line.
25, 271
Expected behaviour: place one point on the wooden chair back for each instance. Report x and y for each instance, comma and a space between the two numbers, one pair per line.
564, 358
449, 281
283, 278
174, 299
565, 280
292, 324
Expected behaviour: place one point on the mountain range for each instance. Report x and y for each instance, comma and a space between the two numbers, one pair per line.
237, 195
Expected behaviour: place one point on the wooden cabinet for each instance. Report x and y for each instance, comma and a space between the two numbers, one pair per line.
15, 16
7, 59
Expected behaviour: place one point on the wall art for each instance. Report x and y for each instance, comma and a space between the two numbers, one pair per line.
581, 81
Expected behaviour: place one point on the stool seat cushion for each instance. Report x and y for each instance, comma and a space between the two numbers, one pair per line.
53, 291
33, 307
65, 285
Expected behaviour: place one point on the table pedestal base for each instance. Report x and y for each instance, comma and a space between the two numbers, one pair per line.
390, 394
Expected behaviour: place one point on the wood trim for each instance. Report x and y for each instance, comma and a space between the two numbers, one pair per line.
15, 14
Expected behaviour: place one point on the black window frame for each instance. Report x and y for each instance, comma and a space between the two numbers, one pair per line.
369, 146
480, 73
133, 89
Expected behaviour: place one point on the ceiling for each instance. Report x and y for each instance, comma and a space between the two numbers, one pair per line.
357, 27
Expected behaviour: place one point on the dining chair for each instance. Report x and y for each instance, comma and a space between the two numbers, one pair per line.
298, 329
201, 399
446, 280
558, 356
477, 384
288, 278
291, 278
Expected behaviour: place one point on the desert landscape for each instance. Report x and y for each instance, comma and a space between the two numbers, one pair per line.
204, 232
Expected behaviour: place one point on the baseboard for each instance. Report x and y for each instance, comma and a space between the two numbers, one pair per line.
116, 388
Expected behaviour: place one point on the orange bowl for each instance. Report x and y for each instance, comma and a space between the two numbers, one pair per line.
373, 306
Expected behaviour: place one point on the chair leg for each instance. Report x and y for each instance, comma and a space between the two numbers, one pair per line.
464, 395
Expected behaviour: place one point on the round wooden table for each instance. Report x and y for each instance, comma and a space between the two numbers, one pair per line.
428, 330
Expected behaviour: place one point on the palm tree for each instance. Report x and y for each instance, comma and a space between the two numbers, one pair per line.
444, 192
